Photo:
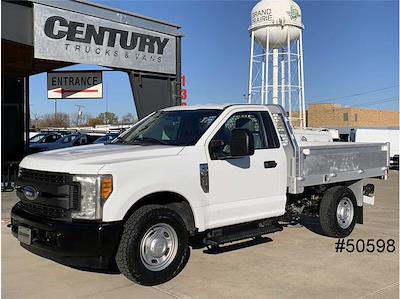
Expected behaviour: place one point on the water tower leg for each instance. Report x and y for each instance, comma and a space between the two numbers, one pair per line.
304, 124
251, 67
262, 81
275, 69
289, 60
266, 68
299, 81
283, 81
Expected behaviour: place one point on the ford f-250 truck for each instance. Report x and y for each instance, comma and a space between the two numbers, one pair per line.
212, 173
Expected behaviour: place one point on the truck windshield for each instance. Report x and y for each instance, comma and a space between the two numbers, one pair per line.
171, 128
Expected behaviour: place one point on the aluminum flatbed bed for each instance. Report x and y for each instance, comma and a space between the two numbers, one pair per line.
319, 163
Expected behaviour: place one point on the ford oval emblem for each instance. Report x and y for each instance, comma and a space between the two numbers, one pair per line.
30, 192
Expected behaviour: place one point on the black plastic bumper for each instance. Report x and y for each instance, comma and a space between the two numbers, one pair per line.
76, 244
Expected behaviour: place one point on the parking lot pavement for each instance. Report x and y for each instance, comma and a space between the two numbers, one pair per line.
297, 262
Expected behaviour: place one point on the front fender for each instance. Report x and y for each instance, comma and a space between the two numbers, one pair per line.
115, 208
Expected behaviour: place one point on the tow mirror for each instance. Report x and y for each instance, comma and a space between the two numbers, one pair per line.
216, 148
241, 143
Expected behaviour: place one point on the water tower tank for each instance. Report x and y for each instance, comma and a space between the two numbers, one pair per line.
276, 71
280, 18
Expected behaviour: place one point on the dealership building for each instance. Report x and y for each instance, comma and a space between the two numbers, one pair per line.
44, 35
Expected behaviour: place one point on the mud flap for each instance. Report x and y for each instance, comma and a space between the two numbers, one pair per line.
360, 215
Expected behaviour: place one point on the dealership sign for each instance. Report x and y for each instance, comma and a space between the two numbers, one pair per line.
72, 37
74, 85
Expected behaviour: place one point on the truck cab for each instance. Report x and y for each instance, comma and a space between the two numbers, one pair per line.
217, 174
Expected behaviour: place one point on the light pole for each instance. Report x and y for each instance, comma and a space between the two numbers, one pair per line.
79, 114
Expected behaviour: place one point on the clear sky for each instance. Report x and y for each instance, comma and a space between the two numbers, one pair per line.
350, 47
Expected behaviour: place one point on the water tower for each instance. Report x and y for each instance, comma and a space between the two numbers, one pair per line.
276, 57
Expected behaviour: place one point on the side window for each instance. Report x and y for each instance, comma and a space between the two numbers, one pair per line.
66, 139
272, 137
243, 120
48, 139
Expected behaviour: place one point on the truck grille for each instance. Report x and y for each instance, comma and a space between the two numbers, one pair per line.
42, 210
45, 177
75, 196
58, 194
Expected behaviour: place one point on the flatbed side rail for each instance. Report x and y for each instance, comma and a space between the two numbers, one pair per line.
341, 162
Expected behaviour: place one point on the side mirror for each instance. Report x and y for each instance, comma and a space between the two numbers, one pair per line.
216, 147
241, 143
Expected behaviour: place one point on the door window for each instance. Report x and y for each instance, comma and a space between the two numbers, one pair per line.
243, 120
69, 138
82, 140
51, 138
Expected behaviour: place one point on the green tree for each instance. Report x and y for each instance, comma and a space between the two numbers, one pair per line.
94, 121
108, 118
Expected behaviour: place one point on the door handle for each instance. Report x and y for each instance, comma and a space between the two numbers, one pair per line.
270, 164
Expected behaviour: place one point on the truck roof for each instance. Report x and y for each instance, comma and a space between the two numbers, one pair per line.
209, 106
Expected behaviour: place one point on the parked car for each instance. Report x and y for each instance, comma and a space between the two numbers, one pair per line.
42, 140
74, 139
106, 138
215, 174
45, 138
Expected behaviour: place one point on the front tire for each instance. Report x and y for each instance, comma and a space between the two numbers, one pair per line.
154, 246
338, 212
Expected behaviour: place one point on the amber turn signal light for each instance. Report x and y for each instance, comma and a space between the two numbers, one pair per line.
106, 187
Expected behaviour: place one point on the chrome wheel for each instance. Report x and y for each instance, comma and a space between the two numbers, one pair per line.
158, 247
345, 213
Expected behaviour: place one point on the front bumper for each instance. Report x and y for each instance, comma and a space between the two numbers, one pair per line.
76, 244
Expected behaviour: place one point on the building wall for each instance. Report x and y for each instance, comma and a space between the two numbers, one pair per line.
295, 119
337, 116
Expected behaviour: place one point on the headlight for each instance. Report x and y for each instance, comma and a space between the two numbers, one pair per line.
95, 190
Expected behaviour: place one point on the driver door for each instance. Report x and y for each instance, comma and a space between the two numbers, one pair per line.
246, 188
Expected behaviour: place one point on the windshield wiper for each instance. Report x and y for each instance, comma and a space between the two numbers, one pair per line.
149, 139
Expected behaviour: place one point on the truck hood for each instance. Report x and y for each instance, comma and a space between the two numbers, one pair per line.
89, 159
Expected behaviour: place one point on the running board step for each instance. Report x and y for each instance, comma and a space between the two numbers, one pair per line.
242, 234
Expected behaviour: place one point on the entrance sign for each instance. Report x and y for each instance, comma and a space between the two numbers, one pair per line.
73, 37
74, 85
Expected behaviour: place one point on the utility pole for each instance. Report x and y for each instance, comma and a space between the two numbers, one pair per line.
79, 114
106, 120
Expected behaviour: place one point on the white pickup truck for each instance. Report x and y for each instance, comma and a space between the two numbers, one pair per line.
217, 174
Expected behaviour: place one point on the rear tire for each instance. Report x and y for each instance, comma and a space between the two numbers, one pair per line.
154, 246
338, 212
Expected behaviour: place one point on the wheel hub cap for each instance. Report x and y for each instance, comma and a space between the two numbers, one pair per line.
345, 213
158, 247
